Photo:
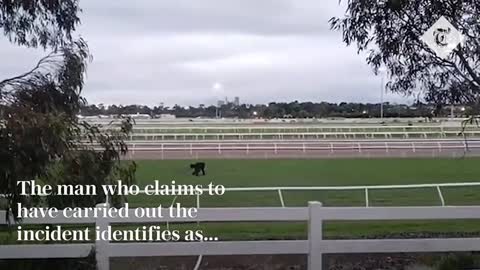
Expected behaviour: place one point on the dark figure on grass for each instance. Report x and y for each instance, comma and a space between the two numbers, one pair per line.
197, 168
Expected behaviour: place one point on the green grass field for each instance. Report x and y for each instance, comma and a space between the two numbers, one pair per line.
327, 172
331, 172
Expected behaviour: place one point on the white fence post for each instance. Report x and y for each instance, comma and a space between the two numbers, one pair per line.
101, 246
315, 236
440, 195
280, 195
162, 147
367, 203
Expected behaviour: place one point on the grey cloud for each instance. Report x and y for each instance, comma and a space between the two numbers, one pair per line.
266, 17
150, 51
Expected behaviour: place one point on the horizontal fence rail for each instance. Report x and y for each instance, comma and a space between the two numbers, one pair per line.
199, 122
156, 128
299, 135
315, 246
340, 140
301, 146
299, 126
366, 188
273, 147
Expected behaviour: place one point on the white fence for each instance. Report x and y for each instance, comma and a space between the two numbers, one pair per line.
280, 190
199, 122
315, 246
292, 128
304, 146
300, 135
159, 132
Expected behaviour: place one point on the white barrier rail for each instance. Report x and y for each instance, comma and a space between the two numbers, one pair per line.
368, 141
280, 190
301, 135
139, 128
315, 246
299, 127
306, 146
199, 122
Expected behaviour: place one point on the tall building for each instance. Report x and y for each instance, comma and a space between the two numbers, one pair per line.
236, 101
220, 103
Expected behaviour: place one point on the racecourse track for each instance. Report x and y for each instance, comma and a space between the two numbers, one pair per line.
304, 149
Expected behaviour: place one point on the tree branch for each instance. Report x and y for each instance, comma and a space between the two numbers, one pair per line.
26, 74
467, 66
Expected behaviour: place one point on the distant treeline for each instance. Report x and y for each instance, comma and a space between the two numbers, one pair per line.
281, 110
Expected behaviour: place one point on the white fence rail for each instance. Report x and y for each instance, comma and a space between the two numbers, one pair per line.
155, 128
315, 246
296, 127
305, 146
201, 122
366, 189
302, 135
280, 190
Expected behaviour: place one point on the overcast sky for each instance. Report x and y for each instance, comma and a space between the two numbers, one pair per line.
192, 52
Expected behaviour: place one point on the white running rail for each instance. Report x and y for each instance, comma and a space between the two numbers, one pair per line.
275, 146
281, 190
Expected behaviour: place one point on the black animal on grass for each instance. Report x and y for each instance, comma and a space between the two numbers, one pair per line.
197, 168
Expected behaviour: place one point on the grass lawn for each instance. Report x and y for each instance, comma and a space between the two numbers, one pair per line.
331, 172
326, 172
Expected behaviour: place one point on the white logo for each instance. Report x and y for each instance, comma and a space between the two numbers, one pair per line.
442, 38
